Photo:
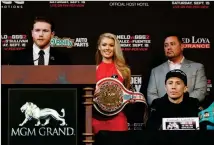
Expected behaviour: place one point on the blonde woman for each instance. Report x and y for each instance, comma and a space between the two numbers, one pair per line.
110, 62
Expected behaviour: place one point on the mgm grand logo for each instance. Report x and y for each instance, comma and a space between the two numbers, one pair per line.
32, 112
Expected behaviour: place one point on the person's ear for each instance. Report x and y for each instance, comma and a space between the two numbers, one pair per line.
52, 34
182, 47
185, 89
31, 33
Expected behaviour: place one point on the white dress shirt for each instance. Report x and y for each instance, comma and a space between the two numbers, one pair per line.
36, 51
173, 65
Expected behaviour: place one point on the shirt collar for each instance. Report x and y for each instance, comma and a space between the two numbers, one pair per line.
171, 62
36, 49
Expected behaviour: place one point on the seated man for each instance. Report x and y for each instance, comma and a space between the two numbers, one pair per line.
197, 81
175, 103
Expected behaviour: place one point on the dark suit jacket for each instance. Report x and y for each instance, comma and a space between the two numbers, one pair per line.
25, 57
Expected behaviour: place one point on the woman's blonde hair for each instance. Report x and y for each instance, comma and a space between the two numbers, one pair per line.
118, 58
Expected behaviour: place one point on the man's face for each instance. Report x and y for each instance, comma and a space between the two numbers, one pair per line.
107, 48
206, 115
175, 88
172, 47
42, 34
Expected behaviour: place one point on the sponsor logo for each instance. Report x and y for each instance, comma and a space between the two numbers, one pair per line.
81, 42
68, 42
12, 4
196, 42
43, 131
62, 42
33, 112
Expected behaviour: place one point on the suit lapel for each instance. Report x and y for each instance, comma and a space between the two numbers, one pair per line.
166, 68
52, 57
161, 78
29, 55
185, 66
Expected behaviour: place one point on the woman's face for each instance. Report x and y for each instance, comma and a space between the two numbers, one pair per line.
107, 48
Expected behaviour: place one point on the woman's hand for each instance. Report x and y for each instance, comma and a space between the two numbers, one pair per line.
97, 91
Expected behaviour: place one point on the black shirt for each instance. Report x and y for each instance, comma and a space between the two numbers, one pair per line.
163, 108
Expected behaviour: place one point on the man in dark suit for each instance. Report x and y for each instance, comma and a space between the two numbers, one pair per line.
197, 81
41, 53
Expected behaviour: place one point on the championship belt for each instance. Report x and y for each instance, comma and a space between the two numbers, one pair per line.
207, 114
111, 97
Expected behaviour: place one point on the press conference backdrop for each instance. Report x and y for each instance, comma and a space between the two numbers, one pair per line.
140, 27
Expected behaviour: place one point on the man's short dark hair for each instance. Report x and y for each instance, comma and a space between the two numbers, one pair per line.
44, 19
177, 73
175, 35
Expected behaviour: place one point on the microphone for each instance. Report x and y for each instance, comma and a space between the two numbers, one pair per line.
36, 59
52, 58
